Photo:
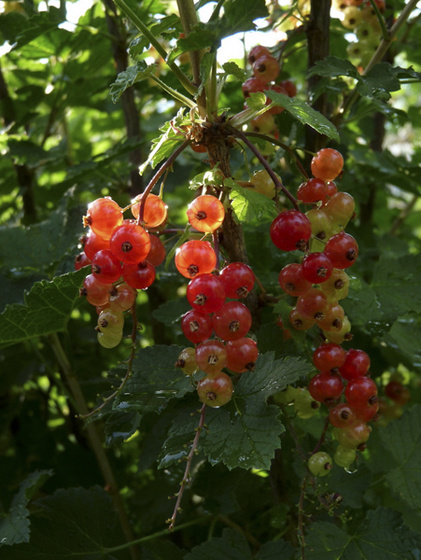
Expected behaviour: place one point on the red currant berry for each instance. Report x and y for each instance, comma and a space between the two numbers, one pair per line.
341, 208
155, 210
361, 392
263, 124
211, 356
313, 304
353, 437
327, 164
215, 391
367, 413
232, 321
291, 230
299, 321
337, 286
195, 257
342, 415
106, 267
104, 214
139, 276
312, 191
93, 243
292, 281
241, 355
157, 253
96, 292
256, 52
206, 213
289, 87
206, 293
356, 364
397, 392
121, 297
130, 243
342, 250
317, 268
238, 280
334, 316
253, 85
196, 326
329, 357
266, 68
326, 387
81, 260
276, 110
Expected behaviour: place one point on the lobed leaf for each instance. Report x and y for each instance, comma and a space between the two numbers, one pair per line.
250, 206
305, 114
46, 310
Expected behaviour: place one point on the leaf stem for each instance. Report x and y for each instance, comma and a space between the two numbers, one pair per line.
380, 19
265, 164
187, 469
137, 22
173, 92
156, 177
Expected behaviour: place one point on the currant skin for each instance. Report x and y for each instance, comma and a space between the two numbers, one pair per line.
103, 215
206, 213
215, 391
232, 321
196, 326
238, 280
291, 230
241, 355
206, 293
320, 464
130, 243
327, 164
195, 258
187, 361
211, 356
155, 211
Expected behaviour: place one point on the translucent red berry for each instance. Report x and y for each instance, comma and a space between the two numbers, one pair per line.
253, 85
157, 253
317, 267
342, 250
238, 280
326, 387
266, 68
291, 230
81, 260
256, 52
121, 297
292, 281
342, 415
232, 321
206, 293
329, 357
103, 215
196, 326
106, 267
356, 364
92, 243
313, 303
361, 392
96, 292
139, 276
241, 355
211, 356
154, 212
195, 257
206, 213
313, 190
327, 164
130, 243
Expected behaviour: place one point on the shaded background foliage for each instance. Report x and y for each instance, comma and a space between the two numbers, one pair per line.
64, 143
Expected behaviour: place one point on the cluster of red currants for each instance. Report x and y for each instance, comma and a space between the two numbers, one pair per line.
320, 280
123, 256
265, 71
211, 313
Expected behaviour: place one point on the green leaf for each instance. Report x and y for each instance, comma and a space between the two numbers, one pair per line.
390, 275
381, 536
171, 311
402, 438
256, 101
154, 382
246, 432
279, 550
250, 206
239, 15
130, 76
120, 426
71, 524
15, 527
207, 179
403, 340
165, 144
167, 26
305, 114
232, 69
46, 310
231, 546
332, 66
379, 82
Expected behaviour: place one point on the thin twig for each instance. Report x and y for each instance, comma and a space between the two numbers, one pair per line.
283, 146
293, 434
156, 177
301, 512
129, 372
260, 157
322, 436
187, 469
